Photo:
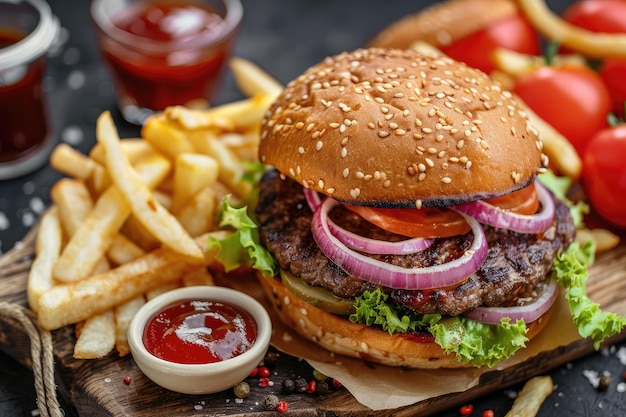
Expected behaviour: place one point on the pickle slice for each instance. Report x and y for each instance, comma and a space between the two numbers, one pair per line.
317, 296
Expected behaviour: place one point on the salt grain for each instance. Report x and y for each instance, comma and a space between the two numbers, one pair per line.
72, 135
5, 223
76, 80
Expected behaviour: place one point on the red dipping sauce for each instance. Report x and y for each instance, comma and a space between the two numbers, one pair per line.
163, 53
23, 120
199, 332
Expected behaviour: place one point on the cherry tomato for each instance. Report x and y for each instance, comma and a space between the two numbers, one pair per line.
432, 222
605, 16
512, 32
604, 174
573, 99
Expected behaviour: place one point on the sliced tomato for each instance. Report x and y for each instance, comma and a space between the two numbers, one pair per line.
428, 222
522, 201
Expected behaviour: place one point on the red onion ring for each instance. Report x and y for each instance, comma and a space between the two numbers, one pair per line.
529, 312
393, 276
312, 198
521, 223
373, 246
364, 244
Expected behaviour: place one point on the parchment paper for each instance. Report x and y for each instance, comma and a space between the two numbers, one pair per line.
382, 387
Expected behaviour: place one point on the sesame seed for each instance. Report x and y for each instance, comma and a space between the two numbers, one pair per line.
346, 172
383, 134
355, 192
418, 204
301, 150
446, 180
318, 145
344, 152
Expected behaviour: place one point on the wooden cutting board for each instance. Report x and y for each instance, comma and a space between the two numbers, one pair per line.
97, 388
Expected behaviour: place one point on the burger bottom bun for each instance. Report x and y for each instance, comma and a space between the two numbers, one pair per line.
341, 336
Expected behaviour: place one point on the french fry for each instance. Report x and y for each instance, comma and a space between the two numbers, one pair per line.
239, 115
199, 215
123, 250
231, 169
96, 337
47, 251
517, 64
604, 239
556, 146
71, 303
165, 137
253, 80
198, 276
69, 161
94, 235
134, 230
124, 314
135, 149
143, 205
192, 173
73, 201
553, 27
530, 398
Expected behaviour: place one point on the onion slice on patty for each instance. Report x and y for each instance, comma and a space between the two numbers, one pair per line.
528, 312
364, 244
521, 223
382, 273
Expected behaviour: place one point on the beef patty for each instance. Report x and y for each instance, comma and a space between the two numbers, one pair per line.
515, 262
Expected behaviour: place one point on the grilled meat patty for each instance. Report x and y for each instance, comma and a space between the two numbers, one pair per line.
515, 262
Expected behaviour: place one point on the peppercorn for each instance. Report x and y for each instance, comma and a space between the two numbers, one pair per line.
282, 406
300, 384
337, 384
310, 387
254, 372
264, 372
466, 409
604, 383
289, 386
318, 375
127, 380
322, 387
488, 413
270, 402
264, 382
242, 389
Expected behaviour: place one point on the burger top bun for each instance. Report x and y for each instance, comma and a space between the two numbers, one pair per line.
443, 23
399, 128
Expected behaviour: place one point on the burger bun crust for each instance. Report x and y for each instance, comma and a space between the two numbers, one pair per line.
400, 128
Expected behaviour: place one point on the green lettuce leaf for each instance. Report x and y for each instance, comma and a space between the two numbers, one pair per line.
570, 270
478, 343
242, 247
559, 187
472, 342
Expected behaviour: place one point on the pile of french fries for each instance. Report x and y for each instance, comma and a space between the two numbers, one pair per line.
131, 219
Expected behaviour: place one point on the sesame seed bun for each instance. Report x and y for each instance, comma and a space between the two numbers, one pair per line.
443, 23
341, 336
400, 128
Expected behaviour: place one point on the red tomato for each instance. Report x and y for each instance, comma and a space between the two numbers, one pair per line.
608, 16
432, 222
613, 73
573, 99
604, 174
513, 32
605, 16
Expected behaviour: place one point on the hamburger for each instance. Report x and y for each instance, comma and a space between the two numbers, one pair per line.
404, 214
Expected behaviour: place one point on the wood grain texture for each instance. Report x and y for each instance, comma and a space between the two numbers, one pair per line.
96, 387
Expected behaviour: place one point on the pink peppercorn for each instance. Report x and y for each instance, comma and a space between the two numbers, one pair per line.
282, 406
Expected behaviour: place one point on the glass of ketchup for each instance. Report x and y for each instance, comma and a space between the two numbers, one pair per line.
165, 52
27, 30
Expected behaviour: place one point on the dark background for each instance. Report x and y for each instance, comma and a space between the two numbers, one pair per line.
285, 38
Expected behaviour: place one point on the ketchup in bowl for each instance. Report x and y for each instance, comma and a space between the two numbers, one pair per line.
199, 331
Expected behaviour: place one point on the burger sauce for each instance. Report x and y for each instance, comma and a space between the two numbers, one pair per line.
199, 332
178, 73
23, 122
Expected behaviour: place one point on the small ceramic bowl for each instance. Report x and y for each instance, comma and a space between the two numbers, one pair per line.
200, 378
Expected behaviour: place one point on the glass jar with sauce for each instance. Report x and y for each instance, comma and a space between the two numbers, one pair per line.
27, 30
165, 52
